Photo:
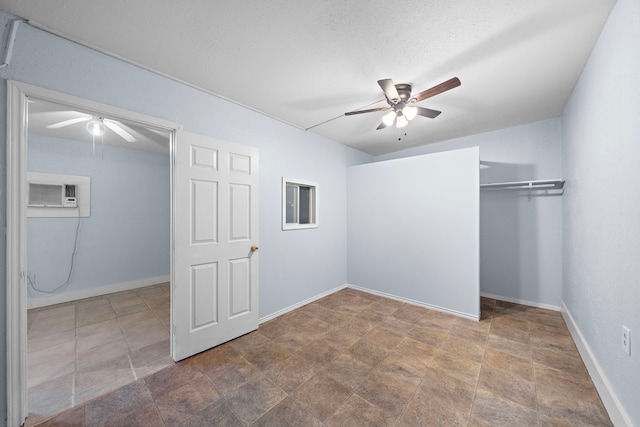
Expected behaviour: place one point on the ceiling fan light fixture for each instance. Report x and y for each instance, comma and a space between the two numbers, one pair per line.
389, 118
410, 112
96, 127
401, 121
401, 107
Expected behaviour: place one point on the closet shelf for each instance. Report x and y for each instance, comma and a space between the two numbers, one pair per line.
543, 184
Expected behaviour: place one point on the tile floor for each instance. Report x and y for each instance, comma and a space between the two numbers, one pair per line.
83, 349
354, 359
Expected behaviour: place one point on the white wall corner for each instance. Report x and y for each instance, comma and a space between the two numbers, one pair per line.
615, 409
300, 304
370, 291
414, 302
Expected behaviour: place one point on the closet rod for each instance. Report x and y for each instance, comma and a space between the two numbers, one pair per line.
543, 184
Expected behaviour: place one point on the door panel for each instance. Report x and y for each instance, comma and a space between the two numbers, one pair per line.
215, 275
240, 163
240, 212
240, 285
204, 288
204, 210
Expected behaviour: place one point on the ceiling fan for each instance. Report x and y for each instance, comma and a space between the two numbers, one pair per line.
402, 106
96, 126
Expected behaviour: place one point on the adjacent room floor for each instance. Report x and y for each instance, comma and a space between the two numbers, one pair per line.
84, 349
354, 359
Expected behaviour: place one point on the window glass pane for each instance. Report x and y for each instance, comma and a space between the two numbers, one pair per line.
292, 204
299, 204
305, 205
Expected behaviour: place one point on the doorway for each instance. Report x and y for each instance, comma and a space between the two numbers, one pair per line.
98, 257
213, 237
21, 282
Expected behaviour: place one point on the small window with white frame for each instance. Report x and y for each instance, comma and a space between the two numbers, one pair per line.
299, 204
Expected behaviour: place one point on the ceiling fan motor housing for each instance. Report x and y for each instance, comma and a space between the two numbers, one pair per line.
404, 90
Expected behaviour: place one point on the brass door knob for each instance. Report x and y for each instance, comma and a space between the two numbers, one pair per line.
254, 248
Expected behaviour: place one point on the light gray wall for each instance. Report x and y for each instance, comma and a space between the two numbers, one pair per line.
294, 265
520, 240
601, 146
413, 229
127, 236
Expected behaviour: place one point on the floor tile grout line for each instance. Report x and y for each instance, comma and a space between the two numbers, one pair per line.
153, 400
535, 384
415, 392
133, 371
482, 366
535, 379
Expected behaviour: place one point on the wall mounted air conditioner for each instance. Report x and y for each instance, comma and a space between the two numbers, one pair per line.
52, 195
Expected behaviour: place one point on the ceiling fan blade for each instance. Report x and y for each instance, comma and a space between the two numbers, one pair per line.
389, 90
68, 122
371, 110
121, 132
381, 126
442, 87
427, 112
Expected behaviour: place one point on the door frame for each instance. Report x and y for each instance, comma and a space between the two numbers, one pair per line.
18, 94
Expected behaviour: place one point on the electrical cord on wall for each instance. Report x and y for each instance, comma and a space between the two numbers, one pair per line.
32, 282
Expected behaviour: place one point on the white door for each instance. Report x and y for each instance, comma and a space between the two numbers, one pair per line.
215, 276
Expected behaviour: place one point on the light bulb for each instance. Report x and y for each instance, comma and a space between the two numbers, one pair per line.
96, 127
401, 121
409, 112
389, 118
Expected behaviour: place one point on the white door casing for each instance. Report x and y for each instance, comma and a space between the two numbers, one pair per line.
215, 214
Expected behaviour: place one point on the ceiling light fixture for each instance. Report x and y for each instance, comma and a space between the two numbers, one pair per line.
410, 112
389, 118
400, 115
401, 120
96, 126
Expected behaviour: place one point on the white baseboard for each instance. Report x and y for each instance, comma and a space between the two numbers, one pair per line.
413, 302
299, 304
616, 412
94, 292
521, 301
370, 291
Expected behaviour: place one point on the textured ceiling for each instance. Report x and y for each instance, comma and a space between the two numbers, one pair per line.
306, 62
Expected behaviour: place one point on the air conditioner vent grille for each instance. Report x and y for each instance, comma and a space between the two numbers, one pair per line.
45, 195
